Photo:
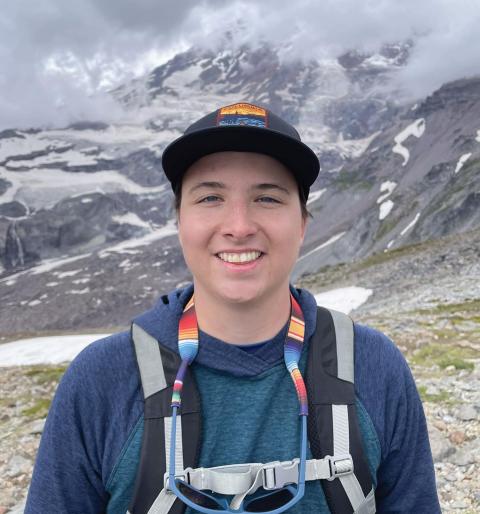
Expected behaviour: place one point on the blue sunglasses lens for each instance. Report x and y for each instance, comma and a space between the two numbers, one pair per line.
260, 503
269, 501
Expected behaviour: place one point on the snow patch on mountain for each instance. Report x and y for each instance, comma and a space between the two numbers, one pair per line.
385, 209
130, 245
27, 144
70, 157
463, 159
315, 195
66, 274
45, 350
417, 129
386, 188
346, 148
78, 291
330, 241
47, 266
52, 264
410, 225
117, 134
42, 188
131, 219
344, 299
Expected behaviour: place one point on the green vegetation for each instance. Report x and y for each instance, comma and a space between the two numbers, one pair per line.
44, 375
39, 409
385, 227
442, 396
472, 305
350, 179
471, 163
444, 355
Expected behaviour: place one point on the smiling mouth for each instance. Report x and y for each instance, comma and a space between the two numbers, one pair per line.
239, 258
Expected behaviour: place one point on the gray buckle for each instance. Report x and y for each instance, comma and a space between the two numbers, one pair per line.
185, 476
277, 474
340, 465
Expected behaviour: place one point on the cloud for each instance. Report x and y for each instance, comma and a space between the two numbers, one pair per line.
58, 57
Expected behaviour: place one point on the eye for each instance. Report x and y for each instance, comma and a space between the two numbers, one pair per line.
268, 199
209, 199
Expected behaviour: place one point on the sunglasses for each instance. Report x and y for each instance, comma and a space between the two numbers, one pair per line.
263, 500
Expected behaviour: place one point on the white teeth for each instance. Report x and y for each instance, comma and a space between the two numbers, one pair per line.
239, 257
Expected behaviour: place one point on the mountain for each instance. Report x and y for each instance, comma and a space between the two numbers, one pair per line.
87, 231
418, 180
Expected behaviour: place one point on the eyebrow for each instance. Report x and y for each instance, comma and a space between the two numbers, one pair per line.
267, 186
220, 185
207, 185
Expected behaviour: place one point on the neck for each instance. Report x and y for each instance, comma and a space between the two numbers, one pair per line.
237, 323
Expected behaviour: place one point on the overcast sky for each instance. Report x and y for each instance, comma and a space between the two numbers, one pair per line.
56, 55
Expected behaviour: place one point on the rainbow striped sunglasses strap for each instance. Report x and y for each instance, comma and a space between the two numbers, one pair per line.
188, 348
293, 351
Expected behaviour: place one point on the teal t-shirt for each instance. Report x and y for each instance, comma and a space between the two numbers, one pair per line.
245, 419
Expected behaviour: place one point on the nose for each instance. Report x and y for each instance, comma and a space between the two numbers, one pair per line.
238, 221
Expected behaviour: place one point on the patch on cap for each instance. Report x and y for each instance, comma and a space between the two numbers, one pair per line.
242, 114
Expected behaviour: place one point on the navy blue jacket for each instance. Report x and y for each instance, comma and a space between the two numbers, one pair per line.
90, 447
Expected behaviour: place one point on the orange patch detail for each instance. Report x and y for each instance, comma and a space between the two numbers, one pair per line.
243, 109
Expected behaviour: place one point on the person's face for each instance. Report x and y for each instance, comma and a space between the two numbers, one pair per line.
240, 225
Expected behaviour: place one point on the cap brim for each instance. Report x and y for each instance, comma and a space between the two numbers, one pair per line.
295, 155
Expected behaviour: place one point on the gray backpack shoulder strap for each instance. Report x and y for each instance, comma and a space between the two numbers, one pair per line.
332, 421
157, 367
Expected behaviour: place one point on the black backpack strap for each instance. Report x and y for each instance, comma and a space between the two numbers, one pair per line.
333, 428
158, 367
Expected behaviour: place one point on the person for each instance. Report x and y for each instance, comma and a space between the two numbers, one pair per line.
241, 178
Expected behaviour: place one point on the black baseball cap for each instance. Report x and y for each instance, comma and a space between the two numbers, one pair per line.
242, 127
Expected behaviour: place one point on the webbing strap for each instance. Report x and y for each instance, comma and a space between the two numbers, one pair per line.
368, 507
344, 333
178, 444
165, 500
163, 503
341, 445
244, 479
149, 361
341, 442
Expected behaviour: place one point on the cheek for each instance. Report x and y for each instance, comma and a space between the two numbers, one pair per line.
288, 234
192, 234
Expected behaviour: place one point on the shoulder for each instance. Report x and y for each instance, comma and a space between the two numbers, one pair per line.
104, 371
98, 401
378, 362
383, 382
99, 383
103, 362
375, 351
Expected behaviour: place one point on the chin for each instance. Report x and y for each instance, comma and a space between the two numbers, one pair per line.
239, 295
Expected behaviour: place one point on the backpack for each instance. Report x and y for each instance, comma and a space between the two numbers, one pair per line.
333, 430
